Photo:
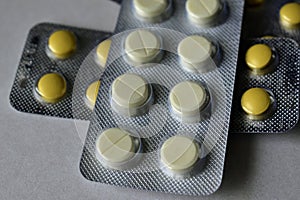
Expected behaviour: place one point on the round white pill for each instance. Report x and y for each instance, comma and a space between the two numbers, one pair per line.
130, 91
188, 99
179, 154
203, 12
196, 53
142, 46
115, 146
150, 9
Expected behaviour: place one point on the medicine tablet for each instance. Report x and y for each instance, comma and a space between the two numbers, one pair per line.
150, 9
179, 154
188, 99
256, 101
196, 53
92, 93
51, 87
62, 44
203, 12
102, 52
142, 46
130, 91
258, 57
115, 145
290, 15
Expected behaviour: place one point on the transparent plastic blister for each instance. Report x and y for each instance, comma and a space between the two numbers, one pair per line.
42, 71
119, 148
205, 125
281, 84
185, 166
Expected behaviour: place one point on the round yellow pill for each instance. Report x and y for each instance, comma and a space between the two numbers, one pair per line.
256, 101
259, 56
102, 51
62, 44
290, 15
92, 93
51, 87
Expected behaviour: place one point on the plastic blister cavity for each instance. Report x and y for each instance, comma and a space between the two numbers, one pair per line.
142, 47
50, 88
181, 157
206, 12
131, 95
199, 54
152, 12
189, 102
261, 59
118, 148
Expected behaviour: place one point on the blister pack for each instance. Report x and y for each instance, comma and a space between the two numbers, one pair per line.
266, 96
47, 71
265, 18
161, 118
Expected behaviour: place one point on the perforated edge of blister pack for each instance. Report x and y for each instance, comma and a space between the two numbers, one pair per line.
157, 125
282, 83
35, 61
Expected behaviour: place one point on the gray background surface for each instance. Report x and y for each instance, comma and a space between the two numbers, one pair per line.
39, 156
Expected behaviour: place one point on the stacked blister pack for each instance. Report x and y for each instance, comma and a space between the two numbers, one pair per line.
165, 90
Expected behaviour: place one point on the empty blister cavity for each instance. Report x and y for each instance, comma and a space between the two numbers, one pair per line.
143, 46
181, 156
261, 59
118, 148
131, 95
198, 54
50, 87
290, 15
258, 103
152, 11
102, 52
204, 12
61, 44
189, 102
91, 94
